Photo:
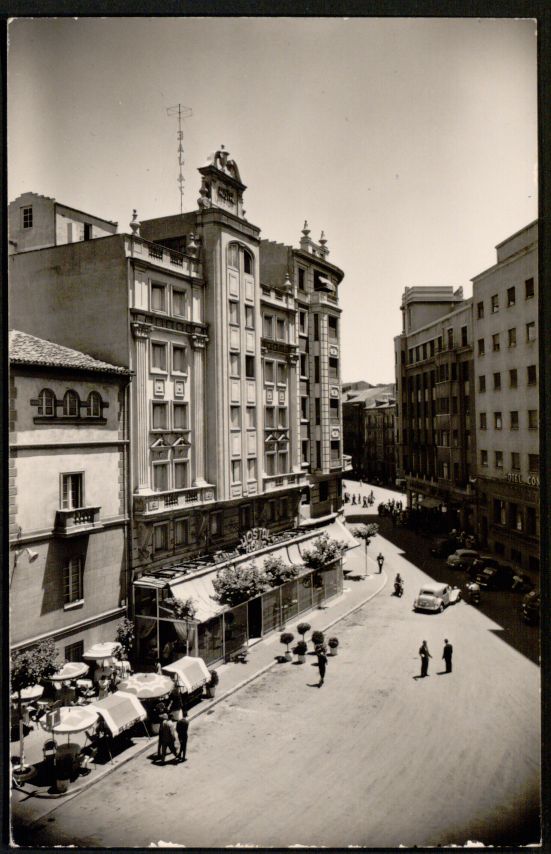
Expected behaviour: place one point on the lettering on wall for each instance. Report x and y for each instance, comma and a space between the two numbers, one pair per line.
531, 480
255, 539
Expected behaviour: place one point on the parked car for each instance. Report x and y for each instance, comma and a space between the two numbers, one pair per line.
480, 563
496, 577
436, 597
462, 558
530, 608
443, 547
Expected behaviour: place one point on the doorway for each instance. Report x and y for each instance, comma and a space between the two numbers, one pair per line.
255, 618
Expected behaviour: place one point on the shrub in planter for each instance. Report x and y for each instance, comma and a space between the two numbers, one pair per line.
318, 639
303, 628
333, 644
323, 551
278, 572
300, 649
212, 683
236, 584
287, 638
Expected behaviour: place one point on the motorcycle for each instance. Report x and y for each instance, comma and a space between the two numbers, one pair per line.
474, 595
398, 588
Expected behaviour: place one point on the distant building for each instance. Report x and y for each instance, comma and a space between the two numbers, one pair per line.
369, 430
68, 502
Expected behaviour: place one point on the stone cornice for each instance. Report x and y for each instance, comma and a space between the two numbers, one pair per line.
149, 320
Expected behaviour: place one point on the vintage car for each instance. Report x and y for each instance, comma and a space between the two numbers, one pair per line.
530, 608
462, 558
498, 577
435, 597
479, 564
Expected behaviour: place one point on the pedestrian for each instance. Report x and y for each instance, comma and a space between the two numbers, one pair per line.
425, 655
167, 740
322, 663
353, 499
365, 501
447, 655
182, 727
380, 561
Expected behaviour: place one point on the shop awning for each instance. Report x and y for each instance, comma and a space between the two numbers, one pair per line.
201, 590
294, 556
119, 711
192, 673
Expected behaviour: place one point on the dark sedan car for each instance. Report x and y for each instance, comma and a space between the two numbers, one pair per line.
530, 608
479, 564
496, 577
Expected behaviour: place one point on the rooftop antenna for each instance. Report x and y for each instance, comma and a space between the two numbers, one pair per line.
182, 113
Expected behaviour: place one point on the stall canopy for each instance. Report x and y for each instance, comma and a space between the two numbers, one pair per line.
192, 673
119, 711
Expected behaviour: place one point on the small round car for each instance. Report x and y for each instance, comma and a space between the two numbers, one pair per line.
436, 597
462, 558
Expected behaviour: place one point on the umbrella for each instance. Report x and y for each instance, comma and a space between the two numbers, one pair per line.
70, 670
101, 651
147, 686
33, 692
72, 719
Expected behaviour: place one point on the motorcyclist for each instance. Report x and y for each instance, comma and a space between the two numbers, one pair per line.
474, 591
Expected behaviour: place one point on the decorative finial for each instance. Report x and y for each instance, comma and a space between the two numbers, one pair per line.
305, 230
287, 284
323, 239
135, 224
192, 244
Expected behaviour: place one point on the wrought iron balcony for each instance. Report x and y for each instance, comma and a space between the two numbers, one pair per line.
78, 521
157, 502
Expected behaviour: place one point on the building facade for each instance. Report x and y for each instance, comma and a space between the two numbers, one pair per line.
505, 307
369, 432
68, 499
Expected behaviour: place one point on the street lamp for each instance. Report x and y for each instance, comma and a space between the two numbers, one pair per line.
32, 556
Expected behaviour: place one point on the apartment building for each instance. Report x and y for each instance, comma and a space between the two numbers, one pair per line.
505, 330
369, 432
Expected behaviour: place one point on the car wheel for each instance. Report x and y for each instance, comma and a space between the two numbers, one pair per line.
441, 608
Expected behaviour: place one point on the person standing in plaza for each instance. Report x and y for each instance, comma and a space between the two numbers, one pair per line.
380, 561
322, 664
447, 655
167, 740
182, 727
425, 655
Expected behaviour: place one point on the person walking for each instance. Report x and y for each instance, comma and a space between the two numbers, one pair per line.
182, 727
322, 664
380, 561
447, 655
425, 655
167, 740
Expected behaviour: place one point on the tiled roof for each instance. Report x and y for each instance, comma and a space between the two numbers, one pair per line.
28, 350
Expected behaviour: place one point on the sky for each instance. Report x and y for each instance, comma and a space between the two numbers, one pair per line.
411, 142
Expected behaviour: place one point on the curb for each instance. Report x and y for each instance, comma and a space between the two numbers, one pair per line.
61, 797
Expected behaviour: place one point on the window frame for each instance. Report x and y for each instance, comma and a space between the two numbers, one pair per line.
67, 503
72, 599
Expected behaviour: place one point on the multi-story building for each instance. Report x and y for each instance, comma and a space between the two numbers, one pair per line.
369, 432
505, 303
434, 375
215, 340
68, 502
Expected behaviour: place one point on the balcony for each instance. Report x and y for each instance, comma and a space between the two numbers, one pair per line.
166, 258
284, 481
159, 502
74, 523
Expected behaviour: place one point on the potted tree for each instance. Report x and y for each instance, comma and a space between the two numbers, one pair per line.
287, 638
300, 650
333, 644
303, 628
212, 683
318, 639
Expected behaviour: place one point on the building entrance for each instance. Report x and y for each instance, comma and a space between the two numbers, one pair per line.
255, 618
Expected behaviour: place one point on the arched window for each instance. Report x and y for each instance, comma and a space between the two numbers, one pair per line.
247, 262
93, 405
71, 404
233, 256
46, 402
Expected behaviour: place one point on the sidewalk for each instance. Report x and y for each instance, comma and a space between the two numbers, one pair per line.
29, 806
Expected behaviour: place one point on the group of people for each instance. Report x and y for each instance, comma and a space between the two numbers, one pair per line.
168, 731
360, 500
424, 655
392, 508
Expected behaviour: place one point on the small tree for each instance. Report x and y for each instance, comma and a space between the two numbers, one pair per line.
365, 533
318, 638
324, 550
29, 667
125, 635
277, 571
303, 628
287, 638
236, 584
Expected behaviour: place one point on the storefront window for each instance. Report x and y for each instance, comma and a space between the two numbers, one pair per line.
289, 601
304, 590
270, 611
210, 646
146, 640
235, 629
145, 601
176, 639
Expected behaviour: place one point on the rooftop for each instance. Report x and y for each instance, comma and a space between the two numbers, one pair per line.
27, 349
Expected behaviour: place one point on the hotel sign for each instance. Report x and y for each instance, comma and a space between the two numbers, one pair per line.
255, 539
531, 480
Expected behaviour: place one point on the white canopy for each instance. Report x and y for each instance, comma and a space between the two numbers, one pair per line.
119, 711
192, 673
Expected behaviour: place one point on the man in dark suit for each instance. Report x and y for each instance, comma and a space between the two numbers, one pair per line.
167, 740
322, 663
447, 655
182, 727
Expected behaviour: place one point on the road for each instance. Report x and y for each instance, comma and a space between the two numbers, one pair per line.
375, 758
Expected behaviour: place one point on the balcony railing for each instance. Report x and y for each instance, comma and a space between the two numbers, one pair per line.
159, 501
282, 481
81, 520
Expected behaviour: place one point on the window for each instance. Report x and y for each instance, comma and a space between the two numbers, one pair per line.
159, 416
529, 288
249, 367
334, 407
497, 421
269, 372
531, 331
316, 327
247, 263
160, 477
281, 373
335, 451
498, 459
533, 462
178, 359
463, 336
282, 418
93, 405
269, 417
250, 415
304, 446
303, 365
304, 408
531, 375
282, 463
531, 526
440, 344
181, 532
482, 383
480, 310
160, 538
512, 337
515, 461
233, 256
270, 464
179, 300
74, 652
510, 296
483, 422
234, 312
301, 278
268, 326
71, 404
249, 317
216, 524
181, 474
158, 297
281, 330
27, 216
46, 403
318, 410
302, 321
497, 381
235, 417
316, 369
481, 349
72, 491
532, 419
158, 356
495, 303
323, 490
251, 469
180, 420
450, 339
235, 365
500, 512
454, 405
333, 327
245, 517
513, 378
495, 342
72, 581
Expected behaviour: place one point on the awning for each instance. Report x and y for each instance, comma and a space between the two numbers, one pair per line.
338, 531
192, 673
119, 711
294, 556
201, 590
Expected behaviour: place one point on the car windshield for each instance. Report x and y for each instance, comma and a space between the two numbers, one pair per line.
488, 571
426, 592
